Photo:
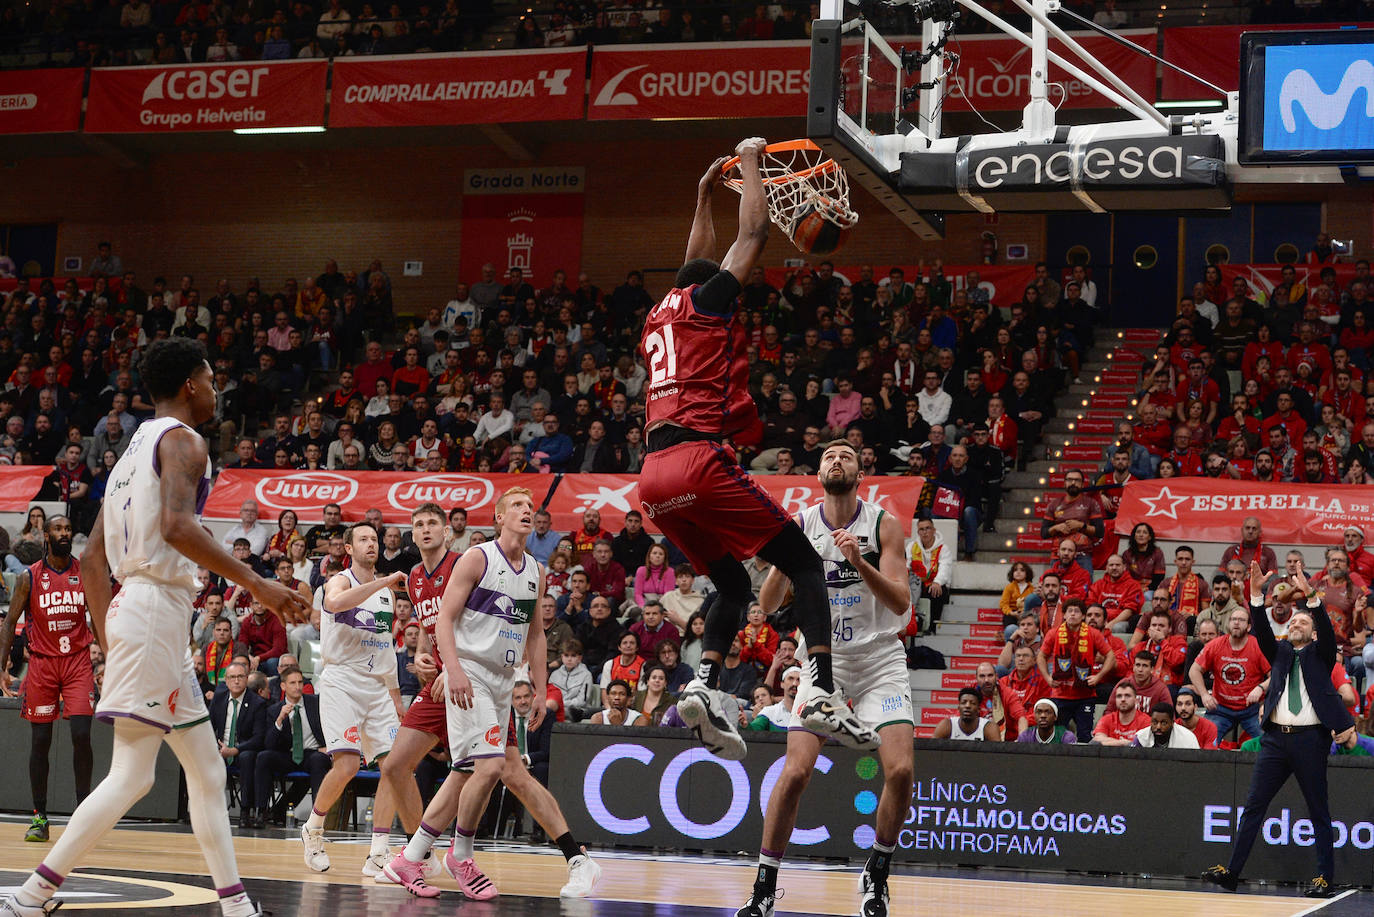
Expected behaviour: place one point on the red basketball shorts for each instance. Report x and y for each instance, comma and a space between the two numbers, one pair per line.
53, 679
424, 715
706, 504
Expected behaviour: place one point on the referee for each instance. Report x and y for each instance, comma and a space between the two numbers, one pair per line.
1302, 712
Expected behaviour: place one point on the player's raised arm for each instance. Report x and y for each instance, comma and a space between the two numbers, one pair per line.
340, 597
182, 457
467, 573
753, 213
701, 243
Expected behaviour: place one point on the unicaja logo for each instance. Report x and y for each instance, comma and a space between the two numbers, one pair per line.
1325, 110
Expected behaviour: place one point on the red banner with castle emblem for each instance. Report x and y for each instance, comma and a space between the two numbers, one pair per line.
529, 219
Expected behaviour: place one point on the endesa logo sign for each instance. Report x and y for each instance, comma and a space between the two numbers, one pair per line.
206, 97
743, 80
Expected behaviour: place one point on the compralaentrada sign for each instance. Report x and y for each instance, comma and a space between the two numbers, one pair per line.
977, 804
1118, 174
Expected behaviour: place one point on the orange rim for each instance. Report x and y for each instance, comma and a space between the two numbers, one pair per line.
784, 146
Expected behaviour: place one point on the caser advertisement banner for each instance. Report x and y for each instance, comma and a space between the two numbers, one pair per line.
762, 79
1207, 509
481, 87
974, 804
40, 101
206, 97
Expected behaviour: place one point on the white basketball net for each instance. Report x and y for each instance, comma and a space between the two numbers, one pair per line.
798, 177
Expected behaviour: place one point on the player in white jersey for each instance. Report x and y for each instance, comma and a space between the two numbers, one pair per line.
360, 698
484, 635
148, 533
866, 581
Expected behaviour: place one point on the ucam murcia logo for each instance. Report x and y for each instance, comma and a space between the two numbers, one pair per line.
1326, 111
468, 491
305, 491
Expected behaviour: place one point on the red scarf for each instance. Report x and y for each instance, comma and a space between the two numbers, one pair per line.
1080, 658
918, 565
1187, 600
1259, 550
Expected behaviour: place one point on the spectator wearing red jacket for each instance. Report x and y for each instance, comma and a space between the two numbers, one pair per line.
999, 703
652, 629
758, 640
1361, 561
1307, 349
605, 576
1251, 547
1123, 720
1024, 680
1240, 421
1150, 689
265, 637
1186, 459
376, 366
1074, 577
1153, 432
1347, 399
1096, 618
1118, 593
1197, 387
1169, 649
1287, 417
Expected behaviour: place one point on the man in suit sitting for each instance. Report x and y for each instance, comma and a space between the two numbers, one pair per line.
274, 683
294, 742
239, 718
1302, 712
533, 747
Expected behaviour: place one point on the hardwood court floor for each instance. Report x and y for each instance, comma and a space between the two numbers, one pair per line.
141, 870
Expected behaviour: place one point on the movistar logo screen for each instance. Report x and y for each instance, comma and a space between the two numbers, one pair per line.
1319, 97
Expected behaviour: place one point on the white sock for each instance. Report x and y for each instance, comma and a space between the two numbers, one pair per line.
379, 842
421, 843
234, 902
462, 844
316, 819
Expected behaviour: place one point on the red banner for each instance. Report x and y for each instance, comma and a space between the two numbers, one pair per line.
40, 101
481, 87
1004, 283
1264, 277
613, 495
994, 71
19, 484
1213, 53
206, 97
1206, 509
740, 80
538, 233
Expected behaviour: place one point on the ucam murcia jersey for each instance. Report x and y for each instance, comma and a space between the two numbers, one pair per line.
55, 619
426, 591
359, 639
857, 620
134, 545
496, 619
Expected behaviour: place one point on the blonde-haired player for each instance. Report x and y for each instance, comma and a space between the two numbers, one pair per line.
484, 635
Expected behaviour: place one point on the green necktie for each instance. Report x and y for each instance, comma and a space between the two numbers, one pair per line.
234, 725
1295, 688
297, 736
520, 734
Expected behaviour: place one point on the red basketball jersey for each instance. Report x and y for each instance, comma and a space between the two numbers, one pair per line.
698, 370
56, 612
426, 590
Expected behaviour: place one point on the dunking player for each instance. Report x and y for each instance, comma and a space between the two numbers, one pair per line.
483, 633
865, 575
360, 697
49, 596
426, 722
148, 532
695, 491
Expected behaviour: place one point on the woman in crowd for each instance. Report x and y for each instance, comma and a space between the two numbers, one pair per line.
678, 672
691, 639
1144, 560
380, 454
299, 554
281, 539
1168, 468
655, 578
28, 547
654, 698
102, 475
380, 402
1199, 431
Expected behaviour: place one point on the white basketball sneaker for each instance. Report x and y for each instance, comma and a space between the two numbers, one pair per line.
10, 907
583, 874
701, 709
829, 715
315, 857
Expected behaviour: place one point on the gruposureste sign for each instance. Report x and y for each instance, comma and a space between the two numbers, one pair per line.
978, 804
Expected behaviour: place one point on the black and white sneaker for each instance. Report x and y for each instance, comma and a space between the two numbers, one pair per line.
829, 715
875, 897
759, 906
701, 709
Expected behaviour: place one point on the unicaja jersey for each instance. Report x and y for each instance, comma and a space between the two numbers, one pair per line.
360, 639
698, 370
134, 545
56, 613
857, 621
496, 619
426, 590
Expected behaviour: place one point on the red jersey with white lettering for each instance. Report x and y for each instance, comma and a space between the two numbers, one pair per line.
698, 370
426, 591
56, 613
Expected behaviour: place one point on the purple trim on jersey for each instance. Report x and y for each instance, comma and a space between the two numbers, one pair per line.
826, 522
56, 572
108, 716
230, 891
157, 462
484, 601
509, 565
466, 762
48, 874
746, 481
347, 748
202, 495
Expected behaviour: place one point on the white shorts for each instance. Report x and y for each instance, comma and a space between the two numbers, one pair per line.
480, 730
875, 682
149, 675
357, 713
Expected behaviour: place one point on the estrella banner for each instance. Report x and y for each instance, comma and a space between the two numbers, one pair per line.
1207, 509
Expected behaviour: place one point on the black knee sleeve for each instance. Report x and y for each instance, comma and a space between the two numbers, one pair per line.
38, 764
794, 556
83, 759
728, 605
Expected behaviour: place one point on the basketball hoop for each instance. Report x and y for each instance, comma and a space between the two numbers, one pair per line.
799, 180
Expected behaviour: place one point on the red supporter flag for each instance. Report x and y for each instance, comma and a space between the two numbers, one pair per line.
40, 101
206, 97
20, 485
480, 87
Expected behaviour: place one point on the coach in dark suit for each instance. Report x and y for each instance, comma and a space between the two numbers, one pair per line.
239, 718
1302, 711
531, 744
293, 742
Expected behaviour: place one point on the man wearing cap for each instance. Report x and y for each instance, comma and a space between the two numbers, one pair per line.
1186, 715
777, 717
1361, 561
1047, 730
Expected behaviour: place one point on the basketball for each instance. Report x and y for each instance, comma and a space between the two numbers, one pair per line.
814, 234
